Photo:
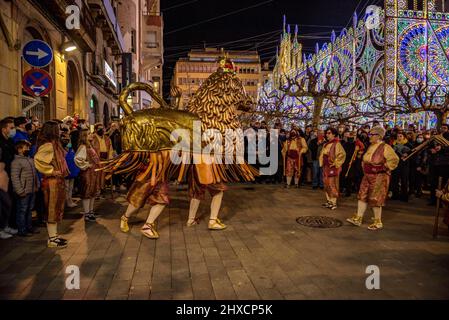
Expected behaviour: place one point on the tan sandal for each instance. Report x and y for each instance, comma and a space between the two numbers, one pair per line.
216, 225
124, 227
377, 225
355, 220
149, 231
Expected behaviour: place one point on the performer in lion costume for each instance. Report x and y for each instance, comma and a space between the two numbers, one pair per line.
150, 148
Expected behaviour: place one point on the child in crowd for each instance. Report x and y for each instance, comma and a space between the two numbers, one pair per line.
25, 183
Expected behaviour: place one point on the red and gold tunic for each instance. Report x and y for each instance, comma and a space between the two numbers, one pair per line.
88, 161
50, 162
292, 152
331, 159
378, 161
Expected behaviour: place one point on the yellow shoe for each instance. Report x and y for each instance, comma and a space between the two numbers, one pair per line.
377, 225
355, 220
149, 231
124, 224
216, 225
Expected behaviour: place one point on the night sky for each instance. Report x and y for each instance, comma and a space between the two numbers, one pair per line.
259, 20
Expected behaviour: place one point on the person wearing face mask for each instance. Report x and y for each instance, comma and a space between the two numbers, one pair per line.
315, 145
341, 131
7, 147
75, 133
8, 131
73, 169
411, 137
292, 153
87, 160
400, 176
21, 132
116, 140
331, 159
438, 166
25, 184
103, 147
421, 169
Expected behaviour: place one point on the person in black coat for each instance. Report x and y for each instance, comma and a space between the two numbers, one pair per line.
400, 176
8, 151
438, 166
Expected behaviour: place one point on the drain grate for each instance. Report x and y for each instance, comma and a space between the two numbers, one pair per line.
319, 222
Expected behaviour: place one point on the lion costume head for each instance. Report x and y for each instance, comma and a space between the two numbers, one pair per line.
217, 100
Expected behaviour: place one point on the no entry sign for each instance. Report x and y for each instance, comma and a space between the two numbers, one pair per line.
37, 82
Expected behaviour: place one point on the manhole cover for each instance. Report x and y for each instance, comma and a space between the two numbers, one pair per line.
319, 222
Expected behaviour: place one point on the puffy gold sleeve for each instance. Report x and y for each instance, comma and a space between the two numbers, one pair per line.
340, 155
43, 159
392, 159
81, 158
304, 146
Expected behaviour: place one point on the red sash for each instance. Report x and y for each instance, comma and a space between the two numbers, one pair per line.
377, 164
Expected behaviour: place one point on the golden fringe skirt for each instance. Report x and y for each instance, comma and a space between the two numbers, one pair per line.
54, 198
153, 170
90, 184
374, 189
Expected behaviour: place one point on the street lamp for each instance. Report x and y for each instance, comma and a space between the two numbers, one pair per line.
68, 46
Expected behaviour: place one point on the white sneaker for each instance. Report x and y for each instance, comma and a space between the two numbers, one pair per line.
123, 188
4, 235
11, 230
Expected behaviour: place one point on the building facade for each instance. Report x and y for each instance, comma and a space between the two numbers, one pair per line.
152, 48
86, 80
192, 71
409, 45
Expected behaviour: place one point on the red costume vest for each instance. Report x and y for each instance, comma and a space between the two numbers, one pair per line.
377, 164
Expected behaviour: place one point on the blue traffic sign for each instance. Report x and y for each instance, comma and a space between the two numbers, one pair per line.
37, 82
37, 53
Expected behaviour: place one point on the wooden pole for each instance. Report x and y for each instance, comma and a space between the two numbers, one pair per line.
437, 214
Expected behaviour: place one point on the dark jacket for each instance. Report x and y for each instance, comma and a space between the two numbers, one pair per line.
8, 152
23, 175
116, 140
74, 139
315, 148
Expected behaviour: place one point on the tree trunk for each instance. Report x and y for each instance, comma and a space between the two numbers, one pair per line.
318, 105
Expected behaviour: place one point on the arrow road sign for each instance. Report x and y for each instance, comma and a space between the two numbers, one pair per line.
37, 82
37, 53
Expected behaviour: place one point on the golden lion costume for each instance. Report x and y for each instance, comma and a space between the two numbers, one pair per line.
149, 147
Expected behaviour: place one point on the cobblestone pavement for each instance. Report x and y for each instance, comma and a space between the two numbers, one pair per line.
264, 253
